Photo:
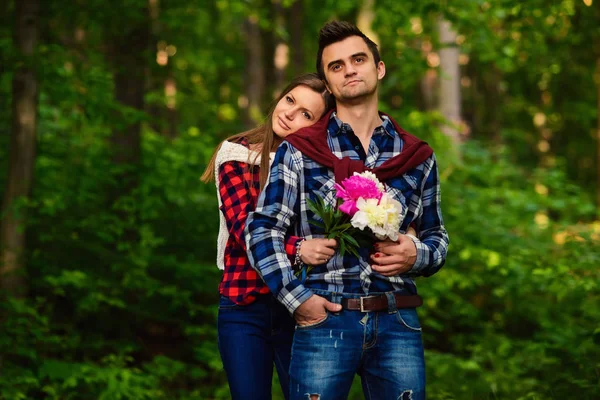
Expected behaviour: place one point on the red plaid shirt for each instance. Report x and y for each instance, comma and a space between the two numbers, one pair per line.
239, 188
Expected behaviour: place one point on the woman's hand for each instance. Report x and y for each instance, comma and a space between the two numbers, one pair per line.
317, 251
395, 258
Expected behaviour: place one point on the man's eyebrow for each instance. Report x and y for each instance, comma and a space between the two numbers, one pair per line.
360, 54
333, 62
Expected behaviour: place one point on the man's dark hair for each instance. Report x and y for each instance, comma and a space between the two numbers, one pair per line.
336, 31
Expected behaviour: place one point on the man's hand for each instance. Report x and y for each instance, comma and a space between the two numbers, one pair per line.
314, 310
394, 258
317, 251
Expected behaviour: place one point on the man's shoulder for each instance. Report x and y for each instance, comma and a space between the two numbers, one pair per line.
396, 126
287, 150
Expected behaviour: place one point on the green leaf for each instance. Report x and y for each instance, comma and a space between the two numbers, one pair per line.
350, 239
313, 206
316, 223
341, 227
342, 247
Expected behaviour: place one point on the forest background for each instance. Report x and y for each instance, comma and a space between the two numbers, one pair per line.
109, 111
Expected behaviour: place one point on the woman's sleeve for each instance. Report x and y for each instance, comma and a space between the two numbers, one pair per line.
236, 199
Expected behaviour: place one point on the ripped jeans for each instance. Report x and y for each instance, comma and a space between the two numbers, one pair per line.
384, 347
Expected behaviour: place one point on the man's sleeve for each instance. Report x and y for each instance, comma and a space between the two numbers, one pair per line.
267, 225
432, 244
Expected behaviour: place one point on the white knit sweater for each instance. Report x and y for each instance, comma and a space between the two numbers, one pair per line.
230, 152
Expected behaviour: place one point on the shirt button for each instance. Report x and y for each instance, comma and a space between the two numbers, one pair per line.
356, 147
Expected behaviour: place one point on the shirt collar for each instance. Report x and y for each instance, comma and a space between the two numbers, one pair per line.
336, 127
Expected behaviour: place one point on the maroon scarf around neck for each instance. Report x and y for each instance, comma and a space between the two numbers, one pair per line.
312, 142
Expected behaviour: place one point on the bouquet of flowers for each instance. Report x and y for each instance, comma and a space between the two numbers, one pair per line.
362, 203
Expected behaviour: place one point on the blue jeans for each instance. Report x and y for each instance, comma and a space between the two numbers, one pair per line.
385, 348
251, 339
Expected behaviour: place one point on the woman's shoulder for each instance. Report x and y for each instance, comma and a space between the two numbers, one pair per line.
238, 150
233, 149
242, 141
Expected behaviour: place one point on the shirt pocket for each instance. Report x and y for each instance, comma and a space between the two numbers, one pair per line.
322, 187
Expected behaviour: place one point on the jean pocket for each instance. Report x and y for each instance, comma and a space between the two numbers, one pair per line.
314, 325
407, 317
225, 303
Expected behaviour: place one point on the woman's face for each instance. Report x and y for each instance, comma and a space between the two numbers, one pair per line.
299, 108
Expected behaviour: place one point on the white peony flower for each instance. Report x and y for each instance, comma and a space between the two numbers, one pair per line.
382, 217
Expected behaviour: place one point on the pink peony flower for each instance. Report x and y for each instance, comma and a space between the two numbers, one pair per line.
356, 187
349, 207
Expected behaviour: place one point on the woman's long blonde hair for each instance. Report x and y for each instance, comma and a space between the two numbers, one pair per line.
263, 134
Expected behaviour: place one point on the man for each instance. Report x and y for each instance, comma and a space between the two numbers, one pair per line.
353, 315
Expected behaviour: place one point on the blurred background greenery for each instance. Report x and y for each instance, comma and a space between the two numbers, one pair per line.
110, 109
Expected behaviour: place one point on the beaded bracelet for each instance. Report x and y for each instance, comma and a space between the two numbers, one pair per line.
298, 259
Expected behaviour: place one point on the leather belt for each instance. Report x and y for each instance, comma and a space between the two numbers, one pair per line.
380, 302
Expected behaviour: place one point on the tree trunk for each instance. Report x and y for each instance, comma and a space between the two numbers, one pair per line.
6, 18
153, 79
494, 104
281, 49
365, 19
163, 111
296, 24
22, 151
255, 78
426, 92
128, 57
129, 64
449, 80
171, 116
598, 131
427, 88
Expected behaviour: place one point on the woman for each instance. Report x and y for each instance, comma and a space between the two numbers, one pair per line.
254, 329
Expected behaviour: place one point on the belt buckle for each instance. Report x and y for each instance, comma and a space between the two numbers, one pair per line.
362, 304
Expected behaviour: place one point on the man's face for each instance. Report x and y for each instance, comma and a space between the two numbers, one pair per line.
350, 69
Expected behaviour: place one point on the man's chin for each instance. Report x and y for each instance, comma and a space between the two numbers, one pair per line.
354, 96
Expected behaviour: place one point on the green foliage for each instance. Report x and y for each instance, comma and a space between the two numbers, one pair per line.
336, 225
514, 309
123, 287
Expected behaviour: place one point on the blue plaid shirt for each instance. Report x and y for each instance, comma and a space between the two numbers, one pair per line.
282, 208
